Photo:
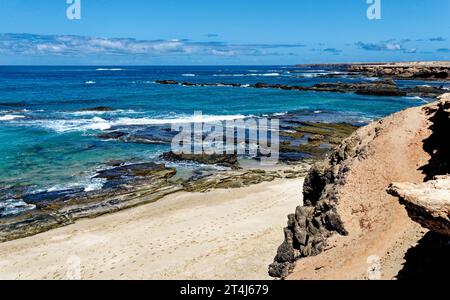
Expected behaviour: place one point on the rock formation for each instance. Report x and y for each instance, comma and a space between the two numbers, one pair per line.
348, 217
414, 70
381, 88
311, 224
225, 160
428, 203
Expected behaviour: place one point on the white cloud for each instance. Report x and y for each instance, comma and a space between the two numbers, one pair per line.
71, 45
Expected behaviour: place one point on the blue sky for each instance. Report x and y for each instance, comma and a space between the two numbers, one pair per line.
185, 32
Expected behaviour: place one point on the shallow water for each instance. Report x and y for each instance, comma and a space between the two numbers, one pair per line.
46, 142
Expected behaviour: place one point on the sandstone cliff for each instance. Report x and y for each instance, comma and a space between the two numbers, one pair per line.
429, 203
359, 230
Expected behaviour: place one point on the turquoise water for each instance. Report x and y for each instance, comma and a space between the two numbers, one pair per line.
46, 142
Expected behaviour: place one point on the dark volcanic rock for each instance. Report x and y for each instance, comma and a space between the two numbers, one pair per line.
316, 220
373, 88
166, 81
113, 135
382, 88
226, 160
44, 198
98, 108
147, 135
140, 170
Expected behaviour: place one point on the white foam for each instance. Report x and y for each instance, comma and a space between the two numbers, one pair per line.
90, 82
250, 74
88, 184
10, 117
93, 112
269, 74
184, 120
417, 98
95, 184
188, 75
95, 123
110, 69
13, 207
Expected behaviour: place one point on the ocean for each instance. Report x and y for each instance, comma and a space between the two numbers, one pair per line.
49, 137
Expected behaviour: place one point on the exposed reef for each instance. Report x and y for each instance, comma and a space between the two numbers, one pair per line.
380, 88
225, 160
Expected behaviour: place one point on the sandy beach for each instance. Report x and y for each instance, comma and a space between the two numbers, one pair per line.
221, 234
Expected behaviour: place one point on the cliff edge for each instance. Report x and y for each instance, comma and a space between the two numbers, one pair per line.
359, 230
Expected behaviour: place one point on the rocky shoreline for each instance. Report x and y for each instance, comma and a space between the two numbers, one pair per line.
129, 184
434, 70
381, 88
413, 70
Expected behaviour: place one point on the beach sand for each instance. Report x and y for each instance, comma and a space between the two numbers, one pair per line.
221, 234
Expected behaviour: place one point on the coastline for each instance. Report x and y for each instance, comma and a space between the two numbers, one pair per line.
352, 226
165, 227
220, 234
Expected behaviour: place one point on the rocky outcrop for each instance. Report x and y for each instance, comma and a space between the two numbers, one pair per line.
428, 203
382, 88
316, 220
225, 160
126, 186
146, 135
310, 138
415, 70
345, 196
98, 109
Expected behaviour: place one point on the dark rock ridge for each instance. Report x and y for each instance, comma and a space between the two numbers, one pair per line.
136, 170
382, 88
98, 108
313, 139
146, 135
124, 191
225, 160
127, 186
313, 223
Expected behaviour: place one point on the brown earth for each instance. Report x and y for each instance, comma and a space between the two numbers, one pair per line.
379, 229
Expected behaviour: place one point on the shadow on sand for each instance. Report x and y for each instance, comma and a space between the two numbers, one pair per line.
438, 143
430, 259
